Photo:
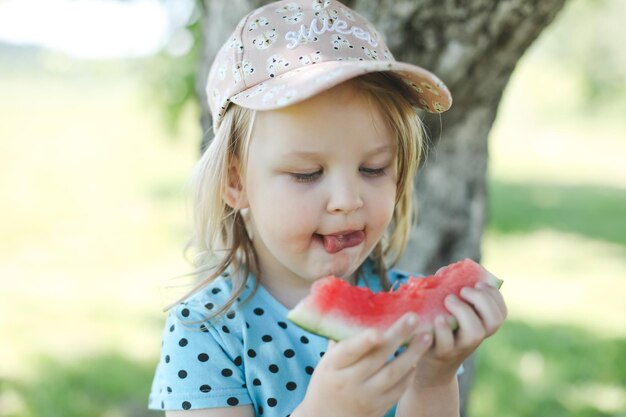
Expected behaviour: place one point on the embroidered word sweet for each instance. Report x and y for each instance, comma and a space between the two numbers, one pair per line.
305, 33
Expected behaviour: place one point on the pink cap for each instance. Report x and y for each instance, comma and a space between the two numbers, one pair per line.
290, 50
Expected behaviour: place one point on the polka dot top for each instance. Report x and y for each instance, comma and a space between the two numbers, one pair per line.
250, 355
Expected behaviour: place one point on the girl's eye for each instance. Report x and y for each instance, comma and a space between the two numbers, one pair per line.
305, 177
373, 172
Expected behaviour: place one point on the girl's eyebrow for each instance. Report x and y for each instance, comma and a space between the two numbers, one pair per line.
304, 154
314, 155
389, 148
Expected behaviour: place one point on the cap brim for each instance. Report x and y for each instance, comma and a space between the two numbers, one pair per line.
429, 92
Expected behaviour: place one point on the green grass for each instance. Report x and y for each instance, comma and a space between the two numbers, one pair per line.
548, 370
110, 384
591, 211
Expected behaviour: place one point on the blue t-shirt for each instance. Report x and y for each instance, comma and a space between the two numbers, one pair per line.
251, 355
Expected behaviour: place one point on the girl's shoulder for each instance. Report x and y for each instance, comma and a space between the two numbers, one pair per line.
202, 307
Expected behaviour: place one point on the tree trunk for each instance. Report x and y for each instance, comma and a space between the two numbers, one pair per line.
473, 47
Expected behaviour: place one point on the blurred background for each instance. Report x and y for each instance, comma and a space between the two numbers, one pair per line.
97, 138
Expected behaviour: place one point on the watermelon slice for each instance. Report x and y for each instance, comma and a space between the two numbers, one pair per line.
338, 310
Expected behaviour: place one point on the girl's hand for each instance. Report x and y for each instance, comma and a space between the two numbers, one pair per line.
354, 378
480, 312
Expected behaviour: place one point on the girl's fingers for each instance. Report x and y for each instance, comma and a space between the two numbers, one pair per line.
350, 351
471, 330
485, 303
393, 372
496, 295
444, 338
368, 364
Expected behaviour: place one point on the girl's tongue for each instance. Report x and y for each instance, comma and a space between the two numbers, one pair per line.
335, 243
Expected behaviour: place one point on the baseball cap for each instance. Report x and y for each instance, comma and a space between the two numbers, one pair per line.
290, 50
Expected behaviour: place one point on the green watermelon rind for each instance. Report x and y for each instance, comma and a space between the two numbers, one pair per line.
305, 318
493, 280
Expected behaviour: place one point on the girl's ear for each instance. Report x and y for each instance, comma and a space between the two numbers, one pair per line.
235, 194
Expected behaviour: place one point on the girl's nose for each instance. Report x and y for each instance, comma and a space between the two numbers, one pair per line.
344, 196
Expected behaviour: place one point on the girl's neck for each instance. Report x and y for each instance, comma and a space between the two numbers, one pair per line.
287, 295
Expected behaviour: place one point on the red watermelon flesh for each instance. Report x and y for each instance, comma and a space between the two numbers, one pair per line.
338, 310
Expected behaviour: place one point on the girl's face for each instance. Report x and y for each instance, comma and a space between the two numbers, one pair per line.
320, 184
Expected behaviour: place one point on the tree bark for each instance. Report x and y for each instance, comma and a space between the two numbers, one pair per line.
473, 46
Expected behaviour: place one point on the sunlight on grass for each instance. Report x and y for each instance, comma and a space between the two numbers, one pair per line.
539, 369
546, 127
567, 155
553, 277
606, 398
96, 219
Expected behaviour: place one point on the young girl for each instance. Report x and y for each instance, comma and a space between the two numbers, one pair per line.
310, 174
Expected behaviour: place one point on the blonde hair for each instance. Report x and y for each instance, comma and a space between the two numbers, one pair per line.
219, 235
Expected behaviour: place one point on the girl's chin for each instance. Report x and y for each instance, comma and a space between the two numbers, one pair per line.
341, 268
